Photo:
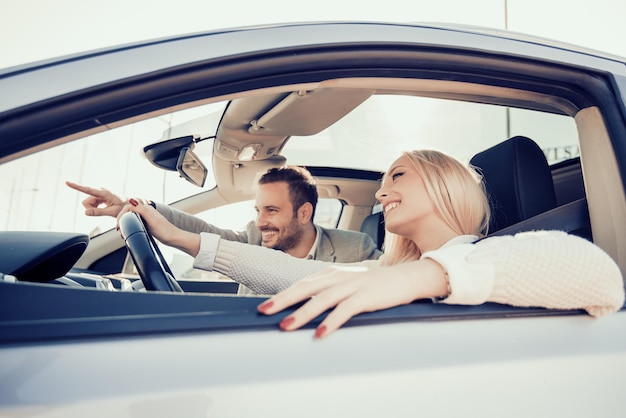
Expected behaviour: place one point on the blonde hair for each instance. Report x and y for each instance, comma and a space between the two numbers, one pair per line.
458, 195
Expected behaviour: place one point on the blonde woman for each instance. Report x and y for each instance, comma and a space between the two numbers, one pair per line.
436, 213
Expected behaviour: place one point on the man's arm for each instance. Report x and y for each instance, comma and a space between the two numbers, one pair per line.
191, 223
102, 202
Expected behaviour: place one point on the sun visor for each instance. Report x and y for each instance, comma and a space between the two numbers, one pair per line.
307, 112
246, 175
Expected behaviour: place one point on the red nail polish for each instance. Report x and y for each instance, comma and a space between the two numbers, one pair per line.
286, 322
265, 306
319, 332
132, 202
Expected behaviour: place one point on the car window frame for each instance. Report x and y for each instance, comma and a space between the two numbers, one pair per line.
592, 88
85, 313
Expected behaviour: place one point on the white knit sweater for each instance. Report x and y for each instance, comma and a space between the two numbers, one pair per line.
549, 269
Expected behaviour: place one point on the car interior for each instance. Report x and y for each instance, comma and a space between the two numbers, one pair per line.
524, 190
256, 127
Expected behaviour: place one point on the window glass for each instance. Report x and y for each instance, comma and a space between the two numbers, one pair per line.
33, 194
328, 212
374, 134
555, 134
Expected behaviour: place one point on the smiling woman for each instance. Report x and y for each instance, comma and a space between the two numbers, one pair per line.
435, 210
545, 123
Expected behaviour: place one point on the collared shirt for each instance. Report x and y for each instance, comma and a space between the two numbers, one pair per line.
318, 237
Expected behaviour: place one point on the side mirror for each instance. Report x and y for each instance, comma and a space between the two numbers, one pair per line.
190, 167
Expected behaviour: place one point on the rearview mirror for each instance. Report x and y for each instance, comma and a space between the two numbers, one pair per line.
190, 167
176, 155
165, 154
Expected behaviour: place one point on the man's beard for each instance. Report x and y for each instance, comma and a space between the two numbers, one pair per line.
291, 236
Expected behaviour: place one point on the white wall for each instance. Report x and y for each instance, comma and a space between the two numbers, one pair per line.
31, 30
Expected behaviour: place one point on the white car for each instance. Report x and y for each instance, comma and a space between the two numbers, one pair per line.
80, 336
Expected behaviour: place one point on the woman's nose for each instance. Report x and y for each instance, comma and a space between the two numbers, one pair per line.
381, 193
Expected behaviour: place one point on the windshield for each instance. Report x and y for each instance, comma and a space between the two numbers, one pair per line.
372, 136
33, 195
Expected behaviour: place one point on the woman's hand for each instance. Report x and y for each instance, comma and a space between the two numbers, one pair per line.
353, 289
162, 229
113, 204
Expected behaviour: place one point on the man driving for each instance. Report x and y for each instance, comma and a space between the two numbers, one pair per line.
285, 203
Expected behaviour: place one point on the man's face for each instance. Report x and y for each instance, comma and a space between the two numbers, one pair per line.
280, 228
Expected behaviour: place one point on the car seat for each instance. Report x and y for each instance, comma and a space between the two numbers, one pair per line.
374, 226
521, 191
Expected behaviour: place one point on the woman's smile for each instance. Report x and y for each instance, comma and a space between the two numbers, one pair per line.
390, 206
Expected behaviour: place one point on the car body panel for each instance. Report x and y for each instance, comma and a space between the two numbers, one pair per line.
113, 71
554, 363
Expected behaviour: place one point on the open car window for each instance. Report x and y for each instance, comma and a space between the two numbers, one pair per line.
113, 159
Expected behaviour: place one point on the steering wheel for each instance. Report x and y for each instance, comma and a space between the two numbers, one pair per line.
153, 270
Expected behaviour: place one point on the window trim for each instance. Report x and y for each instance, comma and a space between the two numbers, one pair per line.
85, 313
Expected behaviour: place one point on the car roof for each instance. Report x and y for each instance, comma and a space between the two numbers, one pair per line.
107, 72
96, 67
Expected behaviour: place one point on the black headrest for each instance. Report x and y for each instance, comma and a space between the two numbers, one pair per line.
518, 181
374, 226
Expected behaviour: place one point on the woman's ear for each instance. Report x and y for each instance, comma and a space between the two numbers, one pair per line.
305, 212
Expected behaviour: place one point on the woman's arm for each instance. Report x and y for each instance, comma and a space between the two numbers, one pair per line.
163, 230
548, 269
263, 270
355, 288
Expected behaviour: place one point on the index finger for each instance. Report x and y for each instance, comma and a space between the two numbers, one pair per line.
84, 189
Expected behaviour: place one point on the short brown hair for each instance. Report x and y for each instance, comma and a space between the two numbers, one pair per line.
301, 185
